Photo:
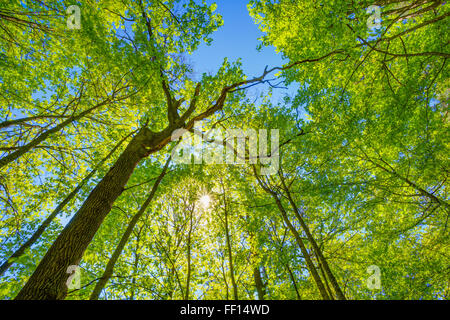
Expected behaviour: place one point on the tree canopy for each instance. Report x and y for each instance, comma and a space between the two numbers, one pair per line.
107, 185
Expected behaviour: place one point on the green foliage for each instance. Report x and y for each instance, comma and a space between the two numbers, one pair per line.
367, 165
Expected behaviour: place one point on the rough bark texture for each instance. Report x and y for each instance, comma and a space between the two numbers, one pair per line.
48, 282
123, 241
36, 235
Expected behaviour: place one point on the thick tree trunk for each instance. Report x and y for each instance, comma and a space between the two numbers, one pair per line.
123, 241
49, 279
36, 235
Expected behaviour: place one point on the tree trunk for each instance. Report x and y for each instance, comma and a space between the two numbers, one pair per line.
48, 282
260, 287
324, 276
188, 277
413, 185
230, 254
118, 251
309, 263
294, 283
36, 235
339, 294
135, 267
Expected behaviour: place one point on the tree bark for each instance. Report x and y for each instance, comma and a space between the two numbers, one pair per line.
339, 294
230, 254
48, 282
123, 241
294, 283
309, 262
36, 235
260, 287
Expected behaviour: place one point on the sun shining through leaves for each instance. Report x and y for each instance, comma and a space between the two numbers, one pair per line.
205, 201
94, 99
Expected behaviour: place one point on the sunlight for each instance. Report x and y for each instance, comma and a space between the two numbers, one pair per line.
205, 201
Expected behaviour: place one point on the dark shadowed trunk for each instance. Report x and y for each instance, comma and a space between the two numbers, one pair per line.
259, 284
294, 282
36, 235
118, 251
49, 279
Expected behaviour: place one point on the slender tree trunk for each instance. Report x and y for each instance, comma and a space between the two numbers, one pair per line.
413, 185
171, 284
294, 283
317, 250
135, 267
324, 276
309, 263
36, 235
188, 277
227, 288
48, 281
230, 253
123, 241
42, 137
259, 284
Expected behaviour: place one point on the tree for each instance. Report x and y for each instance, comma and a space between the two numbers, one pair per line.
90, 117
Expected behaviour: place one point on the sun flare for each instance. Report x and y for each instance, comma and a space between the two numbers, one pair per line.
205, 201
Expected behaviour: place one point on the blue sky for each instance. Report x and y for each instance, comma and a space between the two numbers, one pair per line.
237, 38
